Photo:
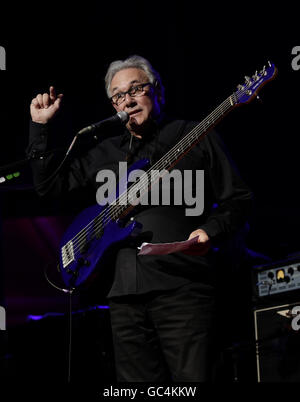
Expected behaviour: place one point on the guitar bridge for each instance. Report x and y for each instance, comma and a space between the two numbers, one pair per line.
67, 253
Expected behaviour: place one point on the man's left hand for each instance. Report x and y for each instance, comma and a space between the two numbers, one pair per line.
203, 245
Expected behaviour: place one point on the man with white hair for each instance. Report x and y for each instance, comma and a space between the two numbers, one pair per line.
162, 307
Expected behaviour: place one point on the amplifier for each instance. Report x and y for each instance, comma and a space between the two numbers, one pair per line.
277, 343
276, 281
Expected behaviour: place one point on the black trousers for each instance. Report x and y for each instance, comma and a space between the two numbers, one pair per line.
164, 336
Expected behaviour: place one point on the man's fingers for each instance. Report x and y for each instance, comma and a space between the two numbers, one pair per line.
46, 100
58, 101
35, 103
43, 100
201, 234
39, 99
52, 93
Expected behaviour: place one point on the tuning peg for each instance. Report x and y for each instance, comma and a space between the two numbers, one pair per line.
255, 77
263, 71
240, 87
247, 80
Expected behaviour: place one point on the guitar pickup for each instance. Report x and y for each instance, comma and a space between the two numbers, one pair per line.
67, 253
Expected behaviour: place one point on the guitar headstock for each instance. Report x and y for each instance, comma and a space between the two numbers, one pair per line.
252, 86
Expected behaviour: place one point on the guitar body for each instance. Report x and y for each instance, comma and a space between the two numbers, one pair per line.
86, 240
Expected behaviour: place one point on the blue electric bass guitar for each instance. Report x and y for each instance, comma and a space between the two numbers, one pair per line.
97, 228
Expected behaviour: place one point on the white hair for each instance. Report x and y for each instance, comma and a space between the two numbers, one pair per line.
135, 61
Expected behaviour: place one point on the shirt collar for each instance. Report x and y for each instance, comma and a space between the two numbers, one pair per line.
156, 126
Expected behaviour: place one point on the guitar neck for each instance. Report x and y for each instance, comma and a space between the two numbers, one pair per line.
194, 136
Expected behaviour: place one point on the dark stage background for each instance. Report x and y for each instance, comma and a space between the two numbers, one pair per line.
202, 53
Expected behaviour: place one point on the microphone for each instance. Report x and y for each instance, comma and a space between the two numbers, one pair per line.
120, 117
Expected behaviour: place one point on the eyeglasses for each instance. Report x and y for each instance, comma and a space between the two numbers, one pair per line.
135, 90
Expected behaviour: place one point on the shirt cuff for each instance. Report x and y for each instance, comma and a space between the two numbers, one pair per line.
38, 135
38, 130
212, 229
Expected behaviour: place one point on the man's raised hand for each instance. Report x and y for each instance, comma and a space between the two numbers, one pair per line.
45, 106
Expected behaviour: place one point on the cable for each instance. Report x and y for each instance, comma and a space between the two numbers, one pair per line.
70, 329
59, 166
24, 161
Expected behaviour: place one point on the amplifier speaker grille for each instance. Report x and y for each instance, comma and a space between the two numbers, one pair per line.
277, 344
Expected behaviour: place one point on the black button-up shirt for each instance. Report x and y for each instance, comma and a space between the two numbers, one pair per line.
227, 200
